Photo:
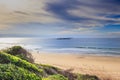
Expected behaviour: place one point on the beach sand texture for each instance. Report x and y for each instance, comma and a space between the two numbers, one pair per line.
103, 67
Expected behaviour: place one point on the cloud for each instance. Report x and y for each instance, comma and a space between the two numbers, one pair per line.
20, 12
24, 11
114, 34
57, 16
79, 30
4, 26
92, 12
87, 13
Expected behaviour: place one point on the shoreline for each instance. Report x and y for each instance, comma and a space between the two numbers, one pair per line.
74, 53
102, 66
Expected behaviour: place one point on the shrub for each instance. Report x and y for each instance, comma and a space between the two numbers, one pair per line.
7, 58
87, 77
12, 67
20, 52
55, 77
12, 72
50, 70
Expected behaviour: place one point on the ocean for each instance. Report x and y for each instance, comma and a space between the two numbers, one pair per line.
85, 46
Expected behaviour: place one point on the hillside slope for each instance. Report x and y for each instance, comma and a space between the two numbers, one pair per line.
17, 64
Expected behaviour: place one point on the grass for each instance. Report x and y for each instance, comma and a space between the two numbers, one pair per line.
17, 64
86, 77
50, 70
20, 52
55, 77
12, 72
7, 58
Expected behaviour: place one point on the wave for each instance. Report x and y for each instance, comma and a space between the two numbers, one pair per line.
99, 48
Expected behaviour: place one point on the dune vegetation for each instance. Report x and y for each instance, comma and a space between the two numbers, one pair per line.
16, 63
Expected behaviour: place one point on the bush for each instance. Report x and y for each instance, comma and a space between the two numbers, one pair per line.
12, 72
87, 77
12, 67
55, 77
20, 52
50, 70
7, 58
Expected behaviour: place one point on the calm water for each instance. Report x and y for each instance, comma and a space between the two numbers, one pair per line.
94, 46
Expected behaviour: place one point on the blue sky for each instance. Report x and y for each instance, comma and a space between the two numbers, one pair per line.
60, 18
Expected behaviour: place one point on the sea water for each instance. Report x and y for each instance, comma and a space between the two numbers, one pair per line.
87, 46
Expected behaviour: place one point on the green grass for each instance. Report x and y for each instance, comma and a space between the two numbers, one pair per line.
55, 77
50, 70
20, 52
12, 72
17, 64
7, 58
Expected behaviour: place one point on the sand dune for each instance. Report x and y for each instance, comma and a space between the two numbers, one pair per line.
104, 67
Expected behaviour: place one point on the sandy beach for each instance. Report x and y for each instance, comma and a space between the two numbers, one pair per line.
104, 67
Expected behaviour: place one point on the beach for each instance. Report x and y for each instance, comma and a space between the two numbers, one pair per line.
105, 67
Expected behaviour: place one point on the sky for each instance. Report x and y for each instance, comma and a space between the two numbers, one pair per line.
60, 18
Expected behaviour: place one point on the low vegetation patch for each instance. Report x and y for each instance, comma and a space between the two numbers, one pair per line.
20, 52
7, 58
55, 77
12, 72
86, 77
18, 64
50, 70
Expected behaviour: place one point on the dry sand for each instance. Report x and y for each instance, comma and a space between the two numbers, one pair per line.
104, 67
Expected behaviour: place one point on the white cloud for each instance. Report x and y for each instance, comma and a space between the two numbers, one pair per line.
23, 11
94, 16
115, 34
79, 30
81, 17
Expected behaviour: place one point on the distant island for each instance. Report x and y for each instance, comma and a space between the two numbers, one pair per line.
64, 38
